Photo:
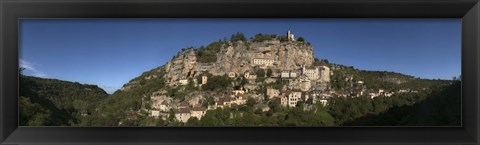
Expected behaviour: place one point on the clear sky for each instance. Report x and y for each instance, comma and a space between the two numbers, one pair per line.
110, 52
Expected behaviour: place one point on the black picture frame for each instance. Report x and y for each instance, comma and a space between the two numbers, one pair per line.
12, 10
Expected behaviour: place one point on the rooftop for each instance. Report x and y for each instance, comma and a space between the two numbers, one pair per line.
183, 110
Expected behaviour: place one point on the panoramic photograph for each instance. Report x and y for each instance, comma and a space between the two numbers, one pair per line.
239, 72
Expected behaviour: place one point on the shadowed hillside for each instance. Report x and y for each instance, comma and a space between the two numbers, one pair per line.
439, 108
56, 102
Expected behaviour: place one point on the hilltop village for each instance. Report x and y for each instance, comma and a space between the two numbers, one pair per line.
260, 71
264, 80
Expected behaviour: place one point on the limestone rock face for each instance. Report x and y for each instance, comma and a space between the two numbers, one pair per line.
182, 66
240, 57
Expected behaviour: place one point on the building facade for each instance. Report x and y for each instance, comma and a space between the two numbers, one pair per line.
272, 92
263, 61
183, 114
183, 82
250, 75
291, 98
313, 73
288, 74
198, 112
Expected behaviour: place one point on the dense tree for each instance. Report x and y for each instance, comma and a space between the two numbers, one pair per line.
301, 39
208, 54
269, 72
33, 114
251, 102
238, 37
204, 56
56, 102
283, 38
193, 121
217, 83
439, 107
260, 73
263, 37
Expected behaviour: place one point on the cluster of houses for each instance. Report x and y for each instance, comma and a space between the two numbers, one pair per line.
306, 84
183, 112
161, 105
298, 89
228, 101
290, 98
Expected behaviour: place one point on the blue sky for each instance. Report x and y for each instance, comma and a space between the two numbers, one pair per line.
110, 52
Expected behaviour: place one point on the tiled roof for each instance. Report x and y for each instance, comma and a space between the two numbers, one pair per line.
183, 110
198, 109
297, 90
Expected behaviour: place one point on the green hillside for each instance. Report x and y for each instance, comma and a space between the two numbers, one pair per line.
55, 102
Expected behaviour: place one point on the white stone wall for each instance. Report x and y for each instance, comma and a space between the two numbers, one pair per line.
285, 74
182, 117
306, 85
312, 74
183, 81
198, 114
325, 74
155, 113
272, 92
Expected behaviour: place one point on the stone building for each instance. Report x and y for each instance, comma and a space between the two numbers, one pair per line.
221, 103
155, 113
305, 85
312, 72
158, 114
286, 74
164, 106
290, 36
160, 102
198, 112
183, 82
301, 82
183, 114
231, 74
325, 74
263, 61
272, 92
290, 98
250, 75
239, 100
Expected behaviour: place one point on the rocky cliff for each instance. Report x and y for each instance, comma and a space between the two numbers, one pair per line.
240, 56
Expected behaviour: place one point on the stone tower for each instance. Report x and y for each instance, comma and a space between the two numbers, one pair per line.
290, 36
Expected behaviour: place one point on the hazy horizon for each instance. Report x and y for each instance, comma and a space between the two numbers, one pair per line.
110, 52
